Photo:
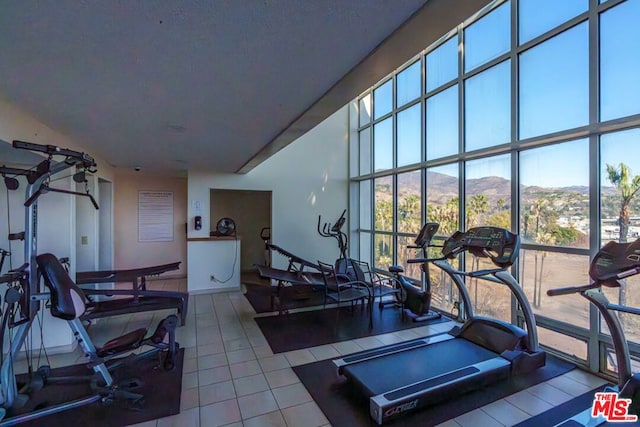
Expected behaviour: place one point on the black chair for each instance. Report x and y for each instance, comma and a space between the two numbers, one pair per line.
381, 286
339, 288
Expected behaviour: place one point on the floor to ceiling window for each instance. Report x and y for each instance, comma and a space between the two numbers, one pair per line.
525, 117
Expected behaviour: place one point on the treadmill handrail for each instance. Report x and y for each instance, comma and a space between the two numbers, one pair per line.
620, 345
527, 312
456, 275
502, 276
593, 293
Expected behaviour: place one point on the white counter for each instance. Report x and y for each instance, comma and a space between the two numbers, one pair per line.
213, 263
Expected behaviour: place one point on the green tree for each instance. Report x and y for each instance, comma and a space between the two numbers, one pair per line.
446, 215
477, 205
627, 188
384, 215
409, 213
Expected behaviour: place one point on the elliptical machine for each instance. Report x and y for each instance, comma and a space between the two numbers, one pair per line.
416, 301
613, 263
343, 264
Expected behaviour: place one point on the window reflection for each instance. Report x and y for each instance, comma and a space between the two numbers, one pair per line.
487, 38
384, 203
554, 195
365, 151
534, 18
365, 247
405, 253
488, 192
364, 108
444, 293
562, 342
383, 251
383, 144
409, 132
620, 181
409, 202
628, 295
442, 124
442, 64
443, 198
365, 205
408, 84
554, 84
620, 61
488, 298
382, 100
541, 271
488, 108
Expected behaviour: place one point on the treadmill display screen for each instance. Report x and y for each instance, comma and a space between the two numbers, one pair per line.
497, 244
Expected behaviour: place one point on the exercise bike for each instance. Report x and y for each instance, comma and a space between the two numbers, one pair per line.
613, 263
416, 302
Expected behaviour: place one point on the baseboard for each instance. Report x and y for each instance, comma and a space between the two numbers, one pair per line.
214, 291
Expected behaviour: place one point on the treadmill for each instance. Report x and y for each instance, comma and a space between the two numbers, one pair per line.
613, 263
406, 376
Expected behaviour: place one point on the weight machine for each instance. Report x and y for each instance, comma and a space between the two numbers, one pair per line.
24, 297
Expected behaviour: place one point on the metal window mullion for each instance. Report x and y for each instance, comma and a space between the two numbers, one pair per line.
555, 249
516, 318
461, 90
576, 20
394, 225
594, 358
394, 167
461, 135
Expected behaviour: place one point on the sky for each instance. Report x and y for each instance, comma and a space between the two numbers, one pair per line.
554, 94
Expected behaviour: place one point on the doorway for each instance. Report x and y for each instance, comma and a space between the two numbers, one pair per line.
251, 211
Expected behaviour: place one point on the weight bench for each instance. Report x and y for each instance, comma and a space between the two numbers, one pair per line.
139, 298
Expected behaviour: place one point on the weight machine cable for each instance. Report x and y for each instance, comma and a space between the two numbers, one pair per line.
9, 231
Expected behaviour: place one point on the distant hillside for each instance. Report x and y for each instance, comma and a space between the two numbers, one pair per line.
442, 187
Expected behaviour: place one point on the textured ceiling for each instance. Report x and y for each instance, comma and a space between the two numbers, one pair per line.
174, 85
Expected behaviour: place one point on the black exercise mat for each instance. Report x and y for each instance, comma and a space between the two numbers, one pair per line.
259, 296
345, 407
568, 409
161, 390
305, 329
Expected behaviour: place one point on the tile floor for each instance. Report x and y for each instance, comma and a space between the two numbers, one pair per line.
232, 378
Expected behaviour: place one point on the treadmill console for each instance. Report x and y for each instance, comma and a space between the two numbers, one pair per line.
426, 234
499, 245
615, 261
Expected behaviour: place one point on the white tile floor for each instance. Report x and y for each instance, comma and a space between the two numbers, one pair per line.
232, 378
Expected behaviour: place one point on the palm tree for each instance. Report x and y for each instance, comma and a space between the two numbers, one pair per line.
476, 206
627, 188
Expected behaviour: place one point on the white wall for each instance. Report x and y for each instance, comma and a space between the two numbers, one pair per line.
307, 178
129, 252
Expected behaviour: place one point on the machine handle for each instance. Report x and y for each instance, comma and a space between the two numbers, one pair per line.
423, 260
572, 289
86, 159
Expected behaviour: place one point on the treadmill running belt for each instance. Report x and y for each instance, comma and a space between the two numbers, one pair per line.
381, 375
